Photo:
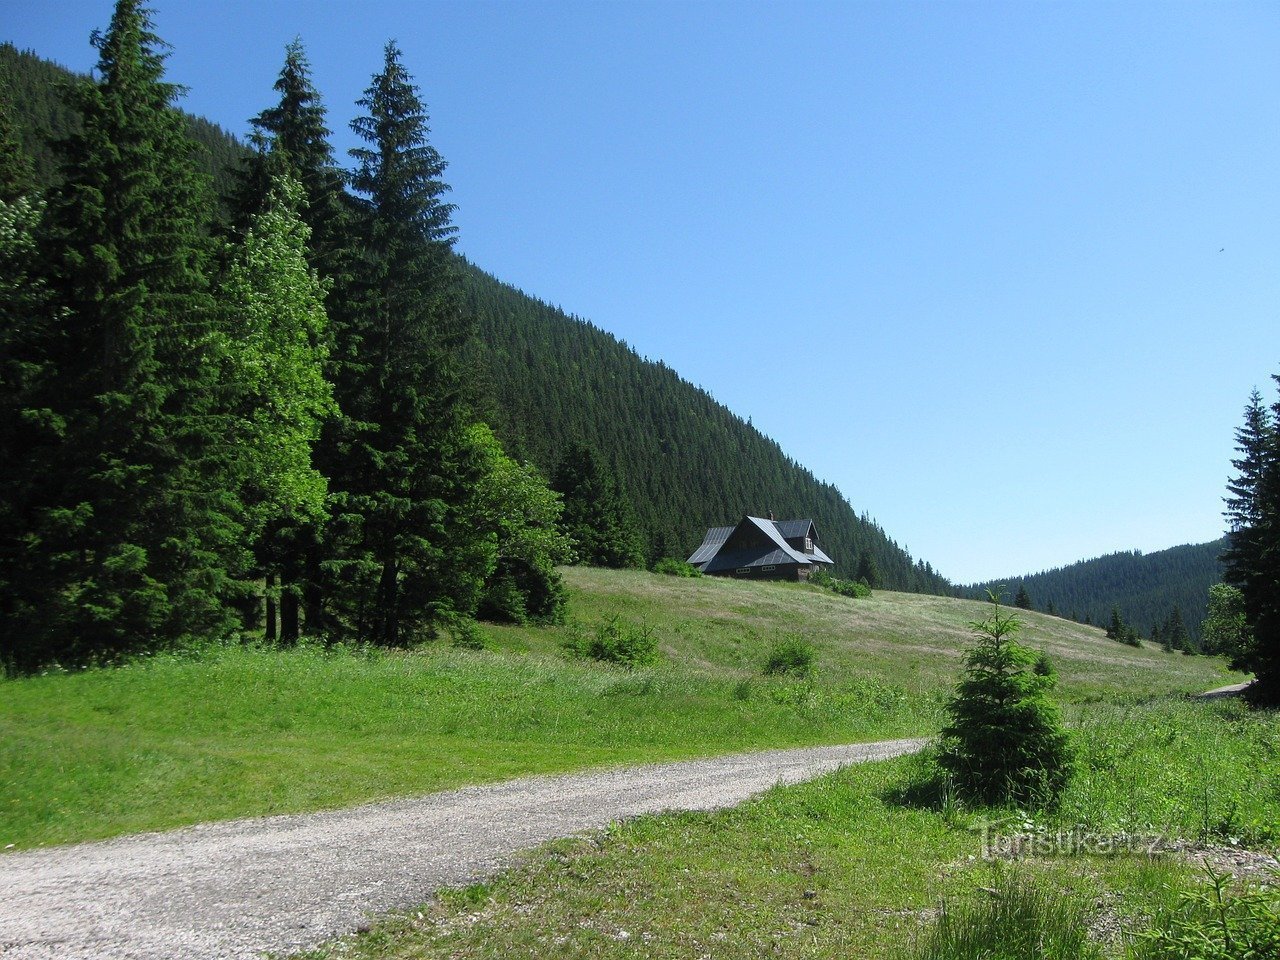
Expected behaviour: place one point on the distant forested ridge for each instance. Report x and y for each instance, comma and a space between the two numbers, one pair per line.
545, 380
1145, 588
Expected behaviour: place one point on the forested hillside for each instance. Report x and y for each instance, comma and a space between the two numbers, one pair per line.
545, 379
1145, 588
34, 86
687, 461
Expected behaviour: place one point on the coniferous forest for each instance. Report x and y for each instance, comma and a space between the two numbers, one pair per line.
253, 386
1145, 589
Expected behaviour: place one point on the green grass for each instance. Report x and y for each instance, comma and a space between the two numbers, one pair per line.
843, 867
239, 731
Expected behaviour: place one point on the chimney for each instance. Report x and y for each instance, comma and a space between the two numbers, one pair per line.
771, 517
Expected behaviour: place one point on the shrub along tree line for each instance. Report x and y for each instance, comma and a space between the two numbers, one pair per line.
194, 406
1252, 556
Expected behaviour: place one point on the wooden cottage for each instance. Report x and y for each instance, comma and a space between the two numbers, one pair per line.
763, 549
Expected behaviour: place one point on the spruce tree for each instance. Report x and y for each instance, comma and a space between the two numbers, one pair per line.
1174, 633
1117, 628
401, 563
1023, 600
868, 571
291, 139
28, 318
1005, 740
597, 516
1252, 557
135, 539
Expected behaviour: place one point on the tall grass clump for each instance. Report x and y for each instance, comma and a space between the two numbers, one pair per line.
791, 655
1017, 920
1201, 770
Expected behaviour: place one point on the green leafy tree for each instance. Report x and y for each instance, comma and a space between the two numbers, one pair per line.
402, 560
1225, 631
275, 343
597, 517
135, 540
292, 139
514, 511
1005, 740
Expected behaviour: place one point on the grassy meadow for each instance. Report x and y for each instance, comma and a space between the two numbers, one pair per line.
235, 730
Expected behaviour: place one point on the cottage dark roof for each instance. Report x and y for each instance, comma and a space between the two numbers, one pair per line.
713, 541
794, 528
770, 550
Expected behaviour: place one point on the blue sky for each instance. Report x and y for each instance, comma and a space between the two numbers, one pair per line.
1004, 273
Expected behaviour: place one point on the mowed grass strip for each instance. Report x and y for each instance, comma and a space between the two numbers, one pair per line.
239, 731
849, 865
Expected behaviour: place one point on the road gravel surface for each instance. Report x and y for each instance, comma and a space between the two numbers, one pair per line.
239, 889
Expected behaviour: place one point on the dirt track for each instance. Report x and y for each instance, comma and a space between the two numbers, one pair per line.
240, 888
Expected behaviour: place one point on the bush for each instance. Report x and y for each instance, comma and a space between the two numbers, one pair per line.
520, 592
1214, 924
466, 635
1005, 741
791, 655
618, 641
676, 568
846, 588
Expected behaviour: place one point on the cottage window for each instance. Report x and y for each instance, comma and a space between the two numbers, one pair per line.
808, 544
743, 570
767, 569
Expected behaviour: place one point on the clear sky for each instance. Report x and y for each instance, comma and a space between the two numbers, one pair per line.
1004, 273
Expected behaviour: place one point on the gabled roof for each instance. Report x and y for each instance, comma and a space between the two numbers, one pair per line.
769, 549
796, 528
713, 541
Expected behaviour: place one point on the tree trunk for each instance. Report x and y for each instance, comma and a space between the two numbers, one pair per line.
270, 632
288, 618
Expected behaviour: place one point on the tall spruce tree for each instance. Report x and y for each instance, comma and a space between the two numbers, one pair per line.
868, 570
291, 139
134, 539
401, 563
1252, 557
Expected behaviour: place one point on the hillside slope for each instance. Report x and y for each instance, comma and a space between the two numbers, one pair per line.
545, 379
1144, 587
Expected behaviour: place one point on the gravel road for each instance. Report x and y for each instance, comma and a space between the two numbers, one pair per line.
241, 888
